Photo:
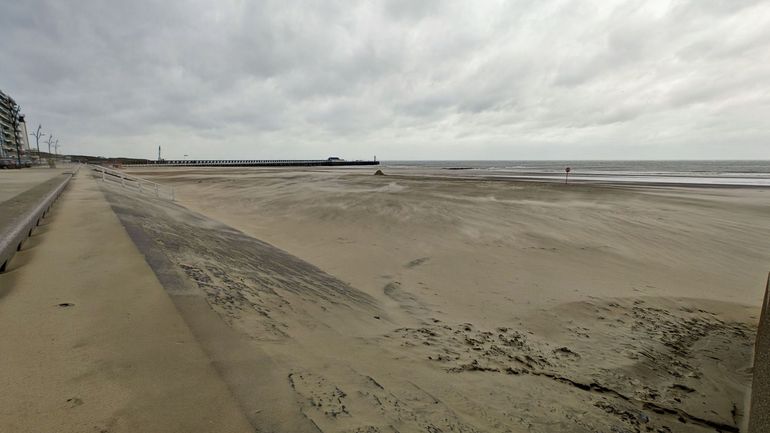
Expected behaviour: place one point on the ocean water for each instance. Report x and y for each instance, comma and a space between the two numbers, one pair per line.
723, 172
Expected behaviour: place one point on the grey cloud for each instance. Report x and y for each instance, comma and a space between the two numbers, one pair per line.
483, 80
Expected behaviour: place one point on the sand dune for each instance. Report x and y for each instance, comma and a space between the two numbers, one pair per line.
403, 303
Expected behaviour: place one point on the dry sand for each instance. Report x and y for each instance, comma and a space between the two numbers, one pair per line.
399, 303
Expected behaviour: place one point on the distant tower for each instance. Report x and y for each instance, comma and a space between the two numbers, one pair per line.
158, 153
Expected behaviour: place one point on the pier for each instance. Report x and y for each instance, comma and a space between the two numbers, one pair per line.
331, 162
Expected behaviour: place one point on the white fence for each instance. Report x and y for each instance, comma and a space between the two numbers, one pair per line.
138, 184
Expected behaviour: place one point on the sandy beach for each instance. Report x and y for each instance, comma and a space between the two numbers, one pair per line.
318, 300
411, 303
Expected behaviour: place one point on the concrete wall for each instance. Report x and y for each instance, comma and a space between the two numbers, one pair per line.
759, 417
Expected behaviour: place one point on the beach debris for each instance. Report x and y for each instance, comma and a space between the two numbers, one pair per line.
379, 173
74, 402
416, 262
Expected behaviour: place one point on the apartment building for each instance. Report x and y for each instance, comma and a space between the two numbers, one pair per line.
14, 142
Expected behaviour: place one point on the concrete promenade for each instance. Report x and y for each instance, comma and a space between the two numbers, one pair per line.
91, 341
21, 214
14, 182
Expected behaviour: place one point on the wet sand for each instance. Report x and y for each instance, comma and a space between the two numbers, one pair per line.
404, 303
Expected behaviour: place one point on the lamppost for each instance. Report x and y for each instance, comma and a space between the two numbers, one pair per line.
37, 134
17, 139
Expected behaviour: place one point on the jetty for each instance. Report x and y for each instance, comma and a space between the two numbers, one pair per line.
331, 162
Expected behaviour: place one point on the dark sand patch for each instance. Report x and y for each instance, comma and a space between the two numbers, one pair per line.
417, 262
654, 365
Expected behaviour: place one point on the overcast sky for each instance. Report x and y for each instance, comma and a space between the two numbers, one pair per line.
400, 79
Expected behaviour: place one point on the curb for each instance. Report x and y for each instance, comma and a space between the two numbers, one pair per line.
13, 236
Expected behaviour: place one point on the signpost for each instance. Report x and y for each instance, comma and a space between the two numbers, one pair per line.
566, 174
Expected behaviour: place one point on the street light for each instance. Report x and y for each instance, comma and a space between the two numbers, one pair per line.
16, 131
37, 134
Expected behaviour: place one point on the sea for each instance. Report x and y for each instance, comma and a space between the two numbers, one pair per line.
711, 172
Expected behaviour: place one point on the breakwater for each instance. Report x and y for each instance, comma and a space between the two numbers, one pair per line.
253, 163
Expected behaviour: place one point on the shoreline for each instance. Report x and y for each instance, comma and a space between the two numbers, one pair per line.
444, 174
586, 182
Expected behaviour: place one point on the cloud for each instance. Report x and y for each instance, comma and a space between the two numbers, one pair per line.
400, 79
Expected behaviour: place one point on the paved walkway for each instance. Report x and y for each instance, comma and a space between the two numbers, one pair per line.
91, 342
13, 182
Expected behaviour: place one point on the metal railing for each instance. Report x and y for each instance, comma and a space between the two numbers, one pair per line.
138, 184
